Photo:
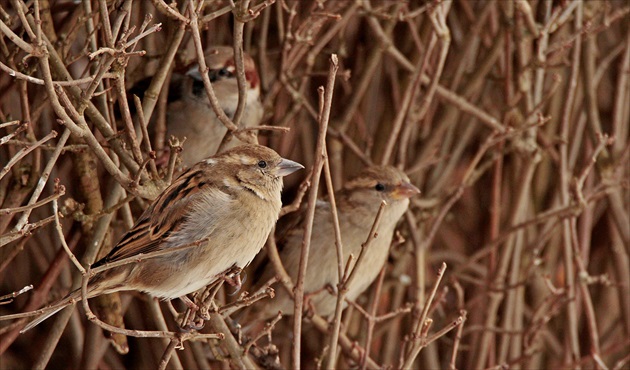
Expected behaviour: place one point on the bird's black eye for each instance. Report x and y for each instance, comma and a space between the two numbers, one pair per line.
262, 164
379, 187
216, 74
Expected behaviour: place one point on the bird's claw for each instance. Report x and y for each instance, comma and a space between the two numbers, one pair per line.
196, 324
232, 277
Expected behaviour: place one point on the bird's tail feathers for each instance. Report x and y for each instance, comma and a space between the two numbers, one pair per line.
70, 299
40, 319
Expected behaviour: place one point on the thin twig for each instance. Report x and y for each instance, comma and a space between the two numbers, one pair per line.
23, 152
347, 279
310, 213
419, 337
62, 238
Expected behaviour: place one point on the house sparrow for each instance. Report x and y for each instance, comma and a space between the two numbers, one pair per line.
190, 115
228, 203
357, 205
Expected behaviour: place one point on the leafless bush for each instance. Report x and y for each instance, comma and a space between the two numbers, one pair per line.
511, 116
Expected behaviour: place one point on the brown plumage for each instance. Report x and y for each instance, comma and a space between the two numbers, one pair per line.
190, 115
357, 205
227, 203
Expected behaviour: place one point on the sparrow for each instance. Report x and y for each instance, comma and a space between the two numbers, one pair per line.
357, 205
190, 115
226, 204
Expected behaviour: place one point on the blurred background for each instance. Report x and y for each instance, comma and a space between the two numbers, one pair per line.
511, 116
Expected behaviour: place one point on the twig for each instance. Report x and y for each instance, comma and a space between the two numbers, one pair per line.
239, 23
38, 81
420, 339
458, 335
10, 123
163, 8
441, 31
61, 191
159, 79
24, 151
168, 352
350, 348
310, 213
20, 128
175, 148
8, 298
281, 272
346, 281
297, 201
266, 331
370, 317
237, 354
145, 135
203, 68
62, 238
247, 300
24, 230
135, 333
571, 334
216, 14
332, 355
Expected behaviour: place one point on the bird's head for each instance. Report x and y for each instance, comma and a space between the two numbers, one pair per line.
222, 74
378, 183
257, 168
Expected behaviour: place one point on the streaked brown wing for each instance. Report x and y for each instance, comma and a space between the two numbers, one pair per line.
165, 216
293, 223
289, 224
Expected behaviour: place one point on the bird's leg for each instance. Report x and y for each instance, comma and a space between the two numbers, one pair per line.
207, 303
196, 315
234, 281
193, 322
190, 304
190, 321
330, 288
232, 277
308, 301
310, 307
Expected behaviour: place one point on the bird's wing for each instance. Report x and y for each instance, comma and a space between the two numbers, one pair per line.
164, 217
293, 224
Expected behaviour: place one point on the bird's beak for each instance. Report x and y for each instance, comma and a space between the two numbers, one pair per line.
404, 191
287, 167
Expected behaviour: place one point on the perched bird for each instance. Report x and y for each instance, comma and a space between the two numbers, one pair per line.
190, 115
227, 204
357, 205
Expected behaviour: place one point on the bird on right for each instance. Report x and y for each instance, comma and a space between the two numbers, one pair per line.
357, 205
